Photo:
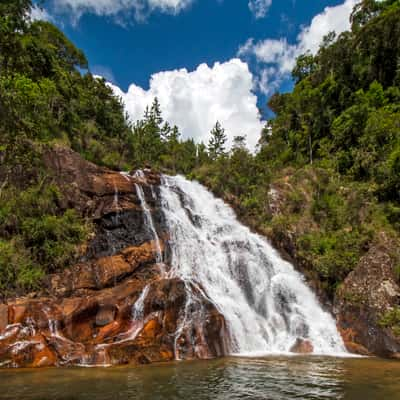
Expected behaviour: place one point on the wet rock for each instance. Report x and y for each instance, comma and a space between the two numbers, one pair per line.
16, 313
105, 315
368, 293
101, 328
87, 187
114, 305
349, 337
302, 346
3, 317
104, 272
108, 198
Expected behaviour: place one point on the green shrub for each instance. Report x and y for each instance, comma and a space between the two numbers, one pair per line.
296, 201
391, 319
53, 239
332, 254
36, 236
397, 272
17, 271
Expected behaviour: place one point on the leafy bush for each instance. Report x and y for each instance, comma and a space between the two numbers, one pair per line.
391, 319
36, 237
332, 254
17, 271
53, 239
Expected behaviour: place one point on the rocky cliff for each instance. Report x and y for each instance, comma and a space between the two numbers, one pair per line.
366, 304
117, 305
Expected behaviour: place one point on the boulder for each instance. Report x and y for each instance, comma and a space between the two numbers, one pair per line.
105, 315
302, 346
367, 295
3, 317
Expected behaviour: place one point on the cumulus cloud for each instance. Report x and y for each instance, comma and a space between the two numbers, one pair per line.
195, 100
259, 8
120, 9
104, 72
336, 19
278, 57
38, 13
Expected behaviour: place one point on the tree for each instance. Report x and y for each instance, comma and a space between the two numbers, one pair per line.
155, 112
239, 143
13, 25
305, 65
216, 144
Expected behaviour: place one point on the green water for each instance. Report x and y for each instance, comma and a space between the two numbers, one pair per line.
230, 378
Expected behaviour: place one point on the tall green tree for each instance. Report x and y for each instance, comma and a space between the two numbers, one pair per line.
217, 142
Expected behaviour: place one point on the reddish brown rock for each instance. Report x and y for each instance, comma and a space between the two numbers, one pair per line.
302, 346
16, 313
3, 317
105, 315
88, 187
349, 336
104, 272
101, 328
90, 313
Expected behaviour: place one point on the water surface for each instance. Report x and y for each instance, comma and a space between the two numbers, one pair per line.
271, 378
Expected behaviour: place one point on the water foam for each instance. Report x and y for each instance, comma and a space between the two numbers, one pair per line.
266, 303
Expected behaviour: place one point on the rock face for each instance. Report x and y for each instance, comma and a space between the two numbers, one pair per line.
367, 295
118, 305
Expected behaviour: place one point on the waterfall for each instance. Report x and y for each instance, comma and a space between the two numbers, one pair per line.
148, 219
266, 303
138, 307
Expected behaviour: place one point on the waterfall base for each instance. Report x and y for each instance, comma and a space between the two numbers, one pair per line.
117, 305
101, 329
168, 274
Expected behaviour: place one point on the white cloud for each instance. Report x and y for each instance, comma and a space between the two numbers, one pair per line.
195, 100
120, 9
335, 19
278, 57
104, 72
38, 13
259, 8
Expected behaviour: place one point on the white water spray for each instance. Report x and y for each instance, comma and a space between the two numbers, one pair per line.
265, 302
138, 308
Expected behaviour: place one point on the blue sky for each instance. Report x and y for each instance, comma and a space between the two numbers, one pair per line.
131, 42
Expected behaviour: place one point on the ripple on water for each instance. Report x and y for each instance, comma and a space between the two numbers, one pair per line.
277, 378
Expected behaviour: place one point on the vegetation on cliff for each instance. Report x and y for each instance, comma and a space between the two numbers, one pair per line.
331, 156
46, 96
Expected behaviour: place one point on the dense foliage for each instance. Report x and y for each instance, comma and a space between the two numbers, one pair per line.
345, 108
46, 95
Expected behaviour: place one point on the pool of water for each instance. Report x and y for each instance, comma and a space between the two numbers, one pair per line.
269, 378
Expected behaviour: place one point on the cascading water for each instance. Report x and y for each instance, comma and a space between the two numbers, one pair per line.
265, 302
148, 219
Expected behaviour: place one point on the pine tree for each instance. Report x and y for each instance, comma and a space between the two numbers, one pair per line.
239, 142
216, 145
156, 113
